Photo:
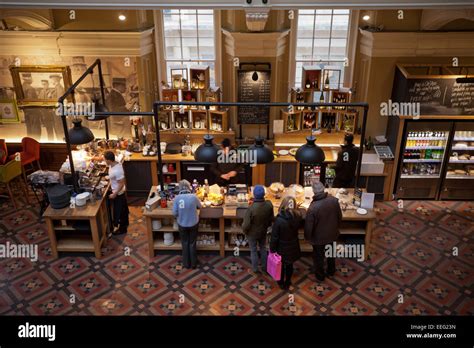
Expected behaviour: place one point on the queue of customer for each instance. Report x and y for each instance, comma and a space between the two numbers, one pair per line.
321, 227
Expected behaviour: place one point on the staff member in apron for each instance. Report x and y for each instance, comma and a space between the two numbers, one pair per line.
226, 172
118, 197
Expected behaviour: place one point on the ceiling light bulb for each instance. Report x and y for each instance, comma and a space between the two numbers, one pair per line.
122, 17
366, 17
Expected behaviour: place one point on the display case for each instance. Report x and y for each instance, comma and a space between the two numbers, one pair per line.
199, 119
291, 121
421, 159
298, 96
218, 120
199, 77
340, 96
329, 120
348, 121
311, 78
459, 179
170, 95
179, 78
309, 119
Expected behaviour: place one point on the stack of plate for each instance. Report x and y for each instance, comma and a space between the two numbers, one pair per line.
59, 196
168, 238
81, 199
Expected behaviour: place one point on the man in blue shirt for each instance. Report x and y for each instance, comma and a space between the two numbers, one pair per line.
185, 210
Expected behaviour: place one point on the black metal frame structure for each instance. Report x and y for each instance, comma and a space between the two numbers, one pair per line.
158, 104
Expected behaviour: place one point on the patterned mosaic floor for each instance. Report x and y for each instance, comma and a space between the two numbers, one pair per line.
411, 255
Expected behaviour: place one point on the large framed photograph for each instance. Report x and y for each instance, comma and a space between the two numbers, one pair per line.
40, 85
9, 111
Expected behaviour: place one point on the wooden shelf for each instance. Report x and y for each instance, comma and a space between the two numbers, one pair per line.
158, 244
228, 247
352, 230
75, 244
233, 230
200, 230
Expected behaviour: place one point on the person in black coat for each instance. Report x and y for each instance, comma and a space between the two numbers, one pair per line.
284, 238
346, 163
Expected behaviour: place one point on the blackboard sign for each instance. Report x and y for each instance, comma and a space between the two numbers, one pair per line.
438, 96
253, 91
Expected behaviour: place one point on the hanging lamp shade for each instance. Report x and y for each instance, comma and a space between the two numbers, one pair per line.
310, 153
98, 107
79, 135
208, 151
263, 153
255, 76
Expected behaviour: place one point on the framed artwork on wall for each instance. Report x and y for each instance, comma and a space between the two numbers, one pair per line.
40, 85
9, 111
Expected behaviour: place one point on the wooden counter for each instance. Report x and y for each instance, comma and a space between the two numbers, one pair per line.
352, 224
64, 236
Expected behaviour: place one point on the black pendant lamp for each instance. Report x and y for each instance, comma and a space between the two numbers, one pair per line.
79, 135
98, 107
208, 151
310, 153
263, 153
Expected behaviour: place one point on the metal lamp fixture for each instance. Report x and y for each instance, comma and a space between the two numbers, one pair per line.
79, 135
310, 153
263, 153
208, 151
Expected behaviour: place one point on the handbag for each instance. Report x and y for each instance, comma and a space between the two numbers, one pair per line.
274, 265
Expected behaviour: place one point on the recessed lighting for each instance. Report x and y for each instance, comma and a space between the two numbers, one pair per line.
366, 17
122, 17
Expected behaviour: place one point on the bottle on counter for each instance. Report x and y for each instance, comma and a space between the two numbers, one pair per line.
195, 185
206, 187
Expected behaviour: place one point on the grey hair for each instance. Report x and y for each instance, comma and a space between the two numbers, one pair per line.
317, 186
184, 185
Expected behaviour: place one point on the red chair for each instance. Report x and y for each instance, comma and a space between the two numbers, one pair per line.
3, 152
29, 155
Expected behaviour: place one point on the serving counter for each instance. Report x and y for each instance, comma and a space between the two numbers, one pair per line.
223, 221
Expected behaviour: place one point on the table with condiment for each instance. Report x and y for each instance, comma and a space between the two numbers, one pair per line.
226, 220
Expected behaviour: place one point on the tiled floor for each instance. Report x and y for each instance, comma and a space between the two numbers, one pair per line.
412, 256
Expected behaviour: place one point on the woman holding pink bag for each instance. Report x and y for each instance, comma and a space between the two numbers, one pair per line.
284, 238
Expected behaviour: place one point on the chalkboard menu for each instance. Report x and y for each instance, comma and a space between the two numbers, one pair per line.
437, 96
253, 91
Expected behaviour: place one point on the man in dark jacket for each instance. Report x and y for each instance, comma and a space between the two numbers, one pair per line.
346, 163
258, 218
323, 218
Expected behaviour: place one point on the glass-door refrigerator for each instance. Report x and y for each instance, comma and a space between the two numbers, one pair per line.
458, 182
423, 152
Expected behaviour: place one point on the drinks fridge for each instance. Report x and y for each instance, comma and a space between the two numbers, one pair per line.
435, 160
421, 160
458, 182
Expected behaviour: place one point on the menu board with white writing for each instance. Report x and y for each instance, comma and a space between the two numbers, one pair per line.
441, 96
253, 91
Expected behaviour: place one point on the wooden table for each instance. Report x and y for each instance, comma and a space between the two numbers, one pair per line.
67, 238
352, 224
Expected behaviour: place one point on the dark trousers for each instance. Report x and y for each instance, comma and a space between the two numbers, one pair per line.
120, 211
286, 273
188, 237
318, 260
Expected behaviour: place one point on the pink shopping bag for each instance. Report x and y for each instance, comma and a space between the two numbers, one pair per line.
274, 265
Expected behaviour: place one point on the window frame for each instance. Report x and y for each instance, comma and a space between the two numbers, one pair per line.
325, 61
194, 61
